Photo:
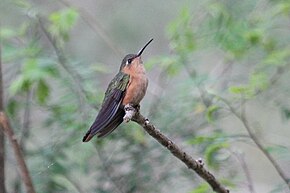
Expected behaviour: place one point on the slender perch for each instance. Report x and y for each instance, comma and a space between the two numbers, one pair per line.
24, 173
196, 165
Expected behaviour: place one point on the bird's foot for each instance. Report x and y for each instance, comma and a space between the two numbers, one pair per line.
130, 111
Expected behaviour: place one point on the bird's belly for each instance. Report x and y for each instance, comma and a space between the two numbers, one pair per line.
135, 91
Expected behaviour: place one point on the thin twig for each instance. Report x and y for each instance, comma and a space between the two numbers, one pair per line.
95, 26
108, 171
244, 166
24, 173
26, 120
195, 165
242, 117
63, 61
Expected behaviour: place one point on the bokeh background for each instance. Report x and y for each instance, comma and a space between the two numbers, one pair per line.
218, 86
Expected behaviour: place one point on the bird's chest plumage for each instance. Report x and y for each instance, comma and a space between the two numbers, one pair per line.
137, 86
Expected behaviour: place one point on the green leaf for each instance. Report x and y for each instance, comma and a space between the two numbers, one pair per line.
211, 153
198, 140
181, 34
100, 67
12, 107
210, 113
254, 36
285, 112
258, 81
42, 91
19, 84
283, 8
228, 31
6, 33
62, 22
278, 57
216, 136
64, 182
238, 89
34, 69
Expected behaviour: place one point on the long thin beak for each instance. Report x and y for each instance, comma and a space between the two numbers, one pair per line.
141, 51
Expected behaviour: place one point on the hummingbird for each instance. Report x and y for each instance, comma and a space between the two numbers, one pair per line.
127, 87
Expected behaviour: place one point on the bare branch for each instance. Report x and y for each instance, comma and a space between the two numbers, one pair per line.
246, 170
2, 142
196, 165
63, 61
24, 173
108, 170
242, 117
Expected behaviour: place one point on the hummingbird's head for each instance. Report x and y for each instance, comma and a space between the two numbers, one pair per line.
131, 59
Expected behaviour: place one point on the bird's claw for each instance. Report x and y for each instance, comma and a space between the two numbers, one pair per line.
129, 112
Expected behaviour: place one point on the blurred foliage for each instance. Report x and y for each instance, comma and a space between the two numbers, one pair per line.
220, 53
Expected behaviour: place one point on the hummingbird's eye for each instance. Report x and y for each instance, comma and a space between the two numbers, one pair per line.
129, 61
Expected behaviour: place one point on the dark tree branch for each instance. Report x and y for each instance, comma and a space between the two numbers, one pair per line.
196, 165
24, 173
2, 142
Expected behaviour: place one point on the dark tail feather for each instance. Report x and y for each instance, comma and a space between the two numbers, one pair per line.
88, 136
116, 120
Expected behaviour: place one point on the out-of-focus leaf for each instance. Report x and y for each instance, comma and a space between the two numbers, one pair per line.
199, 140
217, 136
211, 153
285, 113
181, 33
169, 63
278, 57
12, 107
199, 108
241, 90
99, 67
22, 4
283, 8
210, 113
42, 91
258, 81
202, 188
6, 33
229, 32
63, 182
254, 36
19, 84
62, 22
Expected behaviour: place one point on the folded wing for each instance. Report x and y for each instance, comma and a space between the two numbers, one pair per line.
111, 115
